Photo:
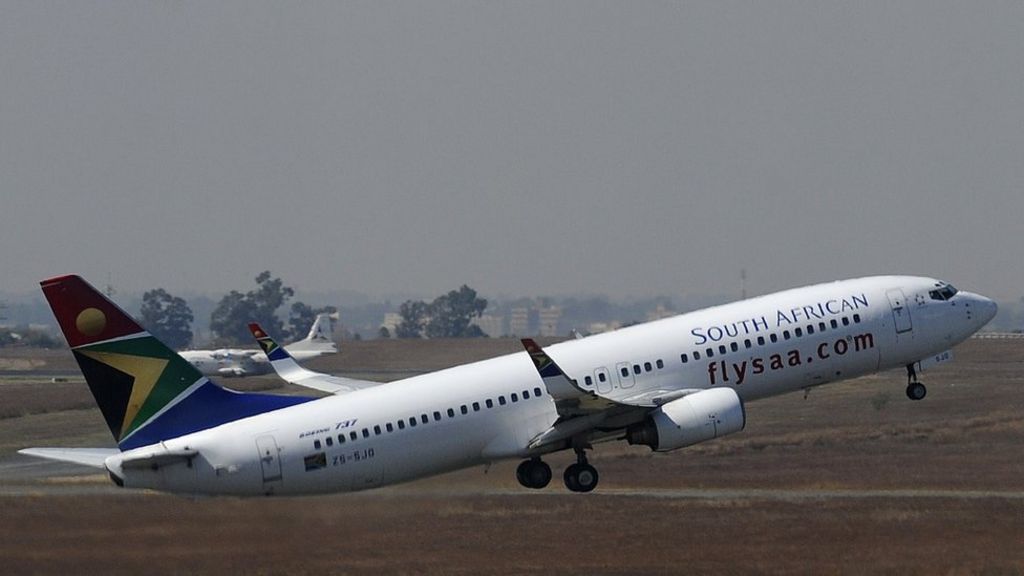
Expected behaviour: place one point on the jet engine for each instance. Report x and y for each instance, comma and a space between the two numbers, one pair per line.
700, 416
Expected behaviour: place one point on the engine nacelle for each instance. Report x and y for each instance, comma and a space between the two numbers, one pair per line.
700, 416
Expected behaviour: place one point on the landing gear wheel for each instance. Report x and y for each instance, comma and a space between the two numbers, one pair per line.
916, 391
533, 473
581, 477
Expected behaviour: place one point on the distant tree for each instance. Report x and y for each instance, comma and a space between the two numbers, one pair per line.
167, 317
230, 319
451, 315
383, 332
414, 319
302, 316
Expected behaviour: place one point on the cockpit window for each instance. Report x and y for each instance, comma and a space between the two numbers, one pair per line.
943, 292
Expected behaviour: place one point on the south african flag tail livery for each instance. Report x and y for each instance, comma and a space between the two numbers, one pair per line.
146, 391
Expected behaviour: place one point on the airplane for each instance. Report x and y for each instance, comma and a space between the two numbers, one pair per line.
665, 384
231, 362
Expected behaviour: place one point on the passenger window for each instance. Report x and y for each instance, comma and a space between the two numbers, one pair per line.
660, 364
834, 324
785, 334
526, 394
696, 355
648, 367
376, 429
683, 358
515, 397
636, 368
366, 432
709, 353
316, 444
798, 331
330, 441
424, 418
401, 424
734, 346
353, 436
490, 403
748, 344
810, 329
600, 376
846, 321
821, 327
721, 349
451, 413
341, 438
464, 409
476, 406
856, 318
389, 427
773, 337
588, 381
437, 416
412, 422
501, 400
760, 340
536, 391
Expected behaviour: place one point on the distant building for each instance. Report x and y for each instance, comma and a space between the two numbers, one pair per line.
391, 322
660, 312
598, 327
547, 321
493, 326
522, 322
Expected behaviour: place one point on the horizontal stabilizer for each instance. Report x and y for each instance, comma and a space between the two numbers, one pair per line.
155, 460
85, 456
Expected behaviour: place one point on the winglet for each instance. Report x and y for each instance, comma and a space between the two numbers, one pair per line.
289, 370
570, 399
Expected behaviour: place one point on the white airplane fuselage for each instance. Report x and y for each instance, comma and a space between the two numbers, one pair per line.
491, 410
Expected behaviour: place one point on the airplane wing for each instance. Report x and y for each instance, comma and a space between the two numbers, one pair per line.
570, 399
579, 409
85, 456
290, 371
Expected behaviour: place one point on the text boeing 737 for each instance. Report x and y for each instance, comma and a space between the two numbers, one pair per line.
665, 384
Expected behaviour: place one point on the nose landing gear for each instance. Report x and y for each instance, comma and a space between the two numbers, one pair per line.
915, 390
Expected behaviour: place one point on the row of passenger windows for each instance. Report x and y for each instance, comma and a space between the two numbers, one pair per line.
637, 370
798, 332
413, 421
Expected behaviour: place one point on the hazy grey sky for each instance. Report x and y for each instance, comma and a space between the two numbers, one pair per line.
626, 148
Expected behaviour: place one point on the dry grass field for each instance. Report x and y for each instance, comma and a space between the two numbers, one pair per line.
854, 479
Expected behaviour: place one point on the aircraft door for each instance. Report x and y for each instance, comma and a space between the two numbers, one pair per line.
604, 381
900, 311
270, 461
625, 376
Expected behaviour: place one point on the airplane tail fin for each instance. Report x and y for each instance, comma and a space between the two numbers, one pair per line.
146, 391
320, 337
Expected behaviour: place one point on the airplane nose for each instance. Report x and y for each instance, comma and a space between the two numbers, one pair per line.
989, 309
984, 308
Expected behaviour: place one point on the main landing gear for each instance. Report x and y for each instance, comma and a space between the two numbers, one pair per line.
533, 473
915, 390
579, 477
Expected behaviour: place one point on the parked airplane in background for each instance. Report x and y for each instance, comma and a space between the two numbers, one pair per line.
664, 384
229, 362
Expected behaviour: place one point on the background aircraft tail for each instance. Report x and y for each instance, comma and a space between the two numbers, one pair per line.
319, 339
146, 391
